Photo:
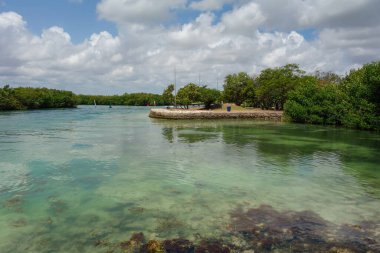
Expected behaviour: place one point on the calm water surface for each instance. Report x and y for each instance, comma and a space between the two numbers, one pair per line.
71, 177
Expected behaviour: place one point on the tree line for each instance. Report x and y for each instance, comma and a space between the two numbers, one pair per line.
35, 98
23, 98
320, 98
132, 99
353, 101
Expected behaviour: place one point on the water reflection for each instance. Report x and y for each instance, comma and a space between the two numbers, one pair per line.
355, 152
117, 174
191, 134
168, 133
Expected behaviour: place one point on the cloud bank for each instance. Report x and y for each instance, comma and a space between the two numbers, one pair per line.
224, 37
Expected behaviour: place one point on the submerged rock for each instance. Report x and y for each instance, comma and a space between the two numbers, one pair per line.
134, 244
267, 230
15, 200
178, 246
212, 247
263, 229
136, 210
365, 235
152, 246
18, 223
14, 204
57, 206
166, 225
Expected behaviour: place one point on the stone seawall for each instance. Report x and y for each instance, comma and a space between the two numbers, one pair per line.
203, 114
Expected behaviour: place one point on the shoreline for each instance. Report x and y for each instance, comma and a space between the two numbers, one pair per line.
204, 114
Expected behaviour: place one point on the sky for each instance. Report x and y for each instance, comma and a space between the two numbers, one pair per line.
117, 46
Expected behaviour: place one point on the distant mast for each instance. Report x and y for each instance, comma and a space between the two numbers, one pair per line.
175, 87
94, 103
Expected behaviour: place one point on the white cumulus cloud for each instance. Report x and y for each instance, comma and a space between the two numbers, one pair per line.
151, 42
138, 11
206, 5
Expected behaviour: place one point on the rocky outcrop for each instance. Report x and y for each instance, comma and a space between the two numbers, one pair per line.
204, 114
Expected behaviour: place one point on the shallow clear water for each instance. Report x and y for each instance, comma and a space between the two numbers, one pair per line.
70, 177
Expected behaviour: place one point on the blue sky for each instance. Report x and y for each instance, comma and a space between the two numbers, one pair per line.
117, 46
79, 19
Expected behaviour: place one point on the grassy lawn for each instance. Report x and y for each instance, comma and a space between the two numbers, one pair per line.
234, 108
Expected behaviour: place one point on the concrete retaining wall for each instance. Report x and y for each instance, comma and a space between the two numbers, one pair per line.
203, 114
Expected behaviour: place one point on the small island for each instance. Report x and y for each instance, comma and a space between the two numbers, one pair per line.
285, 93
216, 114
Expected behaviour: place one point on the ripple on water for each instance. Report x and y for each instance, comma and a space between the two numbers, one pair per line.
13, 177
111, 173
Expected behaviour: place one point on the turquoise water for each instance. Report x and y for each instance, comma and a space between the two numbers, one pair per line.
71, 177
